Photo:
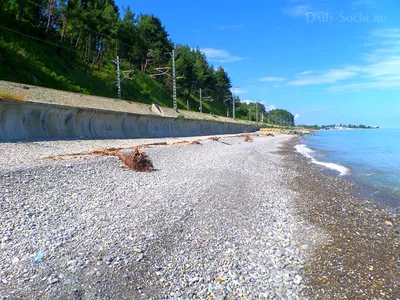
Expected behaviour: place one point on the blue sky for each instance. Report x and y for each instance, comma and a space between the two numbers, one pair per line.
325, 62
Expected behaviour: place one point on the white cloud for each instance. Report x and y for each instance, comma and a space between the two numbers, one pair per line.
296, 116
299, 10
302, 8
272, 79
392, 33
307, 72
324, 77
228, 27
221, 56
238, 91
364, 2
382, 68
269, 107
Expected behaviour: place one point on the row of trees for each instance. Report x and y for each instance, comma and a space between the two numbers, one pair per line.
92, 33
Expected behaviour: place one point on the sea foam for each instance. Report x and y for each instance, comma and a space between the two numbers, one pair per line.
307, 152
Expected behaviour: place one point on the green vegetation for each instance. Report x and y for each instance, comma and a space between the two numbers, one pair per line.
180, 116
71, 45
280, 117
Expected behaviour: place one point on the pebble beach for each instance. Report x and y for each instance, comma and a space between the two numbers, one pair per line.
225, 219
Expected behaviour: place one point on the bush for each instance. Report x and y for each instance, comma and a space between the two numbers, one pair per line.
180, 116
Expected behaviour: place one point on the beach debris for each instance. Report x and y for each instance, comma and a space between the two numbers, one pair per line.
197, 142
388, 223
138, 160
220, 280
180, 143
214, 138
39, 257
247, 138
268, 134
154, 144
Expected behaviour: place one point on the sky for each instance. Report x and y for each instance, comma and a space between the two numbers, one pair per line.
327, 62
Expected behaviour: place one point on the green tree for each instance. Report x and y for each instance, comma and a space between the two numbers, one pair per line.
154, 42
223, 85
281, 117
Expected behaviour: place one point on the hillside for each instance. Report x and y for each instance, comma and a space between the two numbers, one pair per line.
72, 46
25, 60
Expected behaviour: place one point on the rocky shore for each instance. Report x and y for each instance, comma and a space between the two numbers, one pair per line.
361, 259
221, 219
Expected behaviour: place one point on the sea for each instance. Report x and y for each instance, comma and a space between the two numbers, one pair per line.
368, 157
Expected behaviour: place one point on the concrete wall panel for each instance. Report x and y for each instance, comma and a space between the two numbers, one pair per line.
36, 121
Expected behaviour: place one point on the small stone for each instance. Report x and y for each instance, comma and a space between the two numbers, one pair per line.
15, 260
53, 279
297, 280
140, 257
388, 223
71, 262
138, 250
193, 280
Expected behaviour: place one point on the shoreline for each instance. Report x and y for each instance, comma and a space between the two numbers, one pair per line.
264, 223
386, 195
382, 196
362, 257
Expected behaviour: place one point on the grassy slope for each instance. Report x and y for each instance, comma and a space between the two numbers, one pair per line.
31, 62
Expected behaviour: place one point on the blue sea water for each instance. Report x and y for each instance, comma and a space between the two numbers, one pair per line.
370, 158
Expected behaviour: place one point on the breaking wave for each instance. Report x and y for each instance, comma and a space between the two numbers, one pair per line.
307, 152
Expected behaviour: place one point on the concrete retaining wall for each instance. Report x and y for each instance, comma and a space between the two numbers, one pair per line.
37, 121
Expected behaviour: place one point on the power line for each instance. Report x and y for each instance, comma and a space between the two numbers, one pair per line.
38, 39
45, 6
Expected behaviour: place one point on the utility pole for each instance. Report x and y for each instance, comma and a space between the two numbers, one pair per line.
201, 103
233, 105
117, 62
256, 112
163, 70
227, 112
174, 80
249, 113
118, 78
187, 104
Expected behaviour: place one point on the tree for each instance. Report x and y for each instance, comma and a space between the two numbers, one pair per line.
281, 117
154, 42
223, 85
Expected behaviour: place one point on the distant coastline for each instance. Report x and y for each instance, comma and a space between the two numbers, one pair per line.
338, 127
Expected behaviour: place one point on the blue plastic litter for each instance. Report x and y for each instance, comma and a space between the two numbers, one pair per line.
39, 257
